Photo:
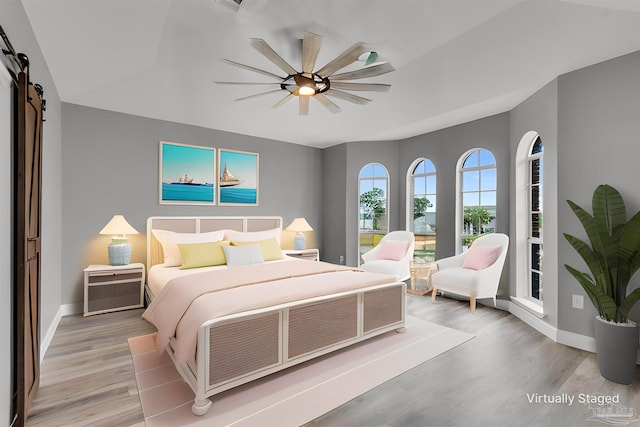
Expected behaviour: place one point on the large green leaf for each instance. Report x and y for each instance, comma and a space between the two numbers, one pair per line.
628, 304
604, 304
594, 263
629, 244
587, 284
602, 243
609, 211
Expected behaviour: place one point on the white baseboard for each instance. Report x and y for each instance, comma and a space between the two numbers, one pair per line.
582, 342
63, 310
572, 339
534, 321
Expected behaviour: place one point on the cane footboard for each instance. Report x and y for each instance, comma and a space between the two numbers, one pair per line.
240, 348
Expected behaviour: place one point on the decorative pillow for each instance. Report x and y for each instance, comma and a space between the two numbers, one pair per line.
393, 250
170, 239
195, 255
270, 248
480, 257
243, 255
252, 236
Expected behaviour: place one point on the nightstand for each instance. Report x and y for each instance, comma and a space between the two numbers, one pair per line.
308, 254
113, 287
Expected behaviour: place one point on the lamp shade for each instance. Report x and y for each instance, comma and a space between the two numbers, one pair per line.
119, 249
299, 225
118, 226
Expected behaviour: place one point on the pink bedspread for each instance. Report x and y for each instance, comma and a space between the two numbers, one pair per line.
187, 302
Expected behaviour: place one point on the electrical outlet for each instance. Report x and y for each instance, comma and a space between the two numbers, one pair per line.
578, 301
342, 259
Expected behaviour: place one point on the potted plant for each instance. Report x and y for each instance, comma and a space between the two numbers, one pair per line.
613, 256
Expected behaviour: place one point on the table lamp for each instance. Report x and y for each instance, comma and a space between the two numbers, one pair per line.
299, 225
119, 249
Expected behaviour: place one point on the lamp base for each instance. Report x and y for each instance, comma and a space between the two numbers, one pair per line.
298, 242
119, 253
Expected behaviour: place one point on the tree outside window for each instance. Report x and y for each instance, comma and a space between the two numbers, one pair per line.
373, 210
373, 206
479, 191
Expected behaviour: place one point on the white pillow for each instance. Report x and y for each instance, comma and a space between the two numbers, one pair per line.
253, 236
243, 255
170, 239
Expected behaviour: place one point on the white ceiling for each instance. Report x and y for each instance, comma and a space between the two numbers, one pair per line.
455, 60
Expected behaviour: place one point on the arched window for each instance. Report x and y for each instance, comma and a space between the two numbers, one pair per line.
421, 212
478, 189
528, 238
373, 190
535, 205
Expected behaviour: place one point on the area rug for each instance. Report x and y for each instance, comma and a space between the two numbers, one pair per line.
296, 395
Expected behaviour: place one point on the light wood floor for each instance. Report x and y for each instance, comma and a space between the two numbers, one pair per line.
499, 378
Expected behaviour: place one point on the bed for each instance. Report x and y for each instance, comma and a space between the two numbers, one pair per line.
225, 323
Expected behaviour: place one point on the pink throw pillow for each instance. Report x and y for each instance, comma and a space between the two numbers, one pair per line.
393, 250
480, 257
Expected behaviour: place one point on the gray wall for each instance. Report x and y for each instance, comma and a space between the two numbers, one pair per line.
598, 143
18, 29
334, 191
110, 166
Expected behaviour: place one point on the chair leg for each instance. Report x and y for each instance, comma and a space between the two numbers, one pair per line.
472, 304
434, 292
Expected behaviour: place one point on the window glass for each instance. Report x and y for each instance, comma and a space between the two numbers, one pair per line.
373, 188
422, 182
534, 238
479, 193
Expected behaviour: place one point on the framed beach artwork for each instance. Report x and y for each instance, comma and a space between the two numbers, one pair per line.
238, 178
187, 174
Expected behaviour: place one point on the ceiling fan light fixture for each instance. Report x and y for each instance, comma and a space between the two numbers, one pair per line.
306, 91
308, 83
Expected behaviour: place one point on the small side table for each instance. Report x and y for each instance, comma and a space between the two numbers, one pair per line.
421, 277
308, 254
113, 287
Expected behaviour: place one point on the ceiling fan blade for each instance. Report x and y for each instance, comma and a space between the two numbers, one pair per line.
303, 106
347, 57
367, 87
363, 73
310, 49
258, 94
261, 46
327, 103
347, 96
248, 83
283, 101
255, 70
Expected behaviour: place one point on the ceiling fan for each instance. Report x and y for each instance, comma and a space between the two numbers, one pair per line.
319, 84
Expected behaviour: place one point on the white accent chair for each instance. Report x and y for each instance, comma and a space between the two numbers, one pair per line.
399, 268
454, 278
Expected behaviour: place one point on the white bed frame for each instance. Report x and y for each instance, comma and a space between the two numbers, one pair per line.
235, 349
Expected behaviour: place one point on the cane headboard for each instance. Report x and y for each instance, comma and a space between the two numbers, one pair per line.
202, 224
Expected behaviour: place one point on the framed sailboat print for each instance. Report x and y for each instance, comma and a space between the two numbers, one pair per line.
237, 178
187, 174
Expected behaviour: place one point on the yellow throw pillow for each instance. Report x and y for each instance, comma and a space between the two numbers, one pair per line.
270, 248
195, 255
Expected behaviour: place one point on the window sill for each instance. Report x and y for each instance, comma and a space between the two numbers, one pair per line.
533, 308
